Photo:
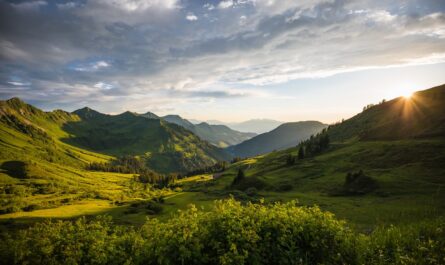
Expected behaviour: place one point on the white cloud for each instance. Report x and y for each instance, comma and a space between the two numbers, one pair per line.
142, 5
95, 66
208, 6
191, 17
242, 20
14, 83
381, 16
225, 4
67, 5
103, 85
29, 6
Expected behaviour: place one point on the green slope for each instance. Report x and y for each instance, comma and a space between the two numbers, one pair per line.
406, 161
421, 116
37, 170
284, 136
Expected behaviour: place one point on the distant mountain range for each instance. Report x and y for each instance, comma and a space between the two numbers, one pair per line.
219, 135
284, 136
257, 126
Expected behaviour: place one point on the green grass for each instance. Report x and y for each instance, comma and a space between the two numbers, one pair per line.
410, 175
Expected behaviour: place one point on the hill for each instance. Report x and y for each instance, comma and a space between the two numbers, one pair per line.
167, 147
369, 181
420, 116
218, 135
284, 136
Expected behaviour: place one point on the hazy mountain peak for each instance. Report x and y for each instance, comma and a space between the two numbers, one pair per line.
88, 113
150, 115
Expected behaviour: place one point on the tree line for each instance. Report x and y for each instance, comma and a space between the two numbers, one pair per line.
310, 147
133, 165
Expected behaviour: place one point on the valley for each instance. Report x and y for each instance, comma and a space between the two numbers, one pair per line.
381, 167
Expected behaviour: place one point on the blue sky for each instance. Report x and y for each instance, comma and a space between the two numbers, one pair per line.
226, 60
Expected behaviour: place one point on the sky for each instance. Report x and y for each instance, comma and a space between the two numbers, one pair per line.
229, 60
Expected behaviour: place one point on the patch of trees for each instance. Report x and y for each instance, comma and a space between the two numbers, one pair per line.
311, 147
231, 233
132, 165
236, 160
356, 183
219, 166
124, 164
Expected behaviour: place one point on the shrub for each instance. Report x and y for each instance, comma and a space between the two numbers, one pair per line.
232, 233
358, 183
286, 186
251, 191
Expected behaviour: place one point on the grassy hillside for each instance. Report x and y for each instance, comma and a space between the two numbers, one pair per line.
421, 116
38, 171
285, 136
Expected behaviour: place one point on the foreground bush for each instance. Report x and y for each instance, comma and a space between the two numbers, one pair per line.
229, 234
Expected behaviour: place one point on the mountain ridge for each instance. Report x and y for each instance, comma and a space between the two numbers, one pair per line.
284, 136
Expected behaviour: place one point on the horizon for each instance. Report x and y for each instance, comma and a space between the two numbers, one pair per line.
403, 93
237, 60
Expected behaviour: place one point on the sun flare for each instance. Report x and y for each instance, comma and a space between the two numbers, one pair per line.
407, 95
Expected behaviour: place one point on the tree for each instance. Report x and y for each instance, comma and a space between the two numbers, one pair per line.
301, 153
290, 160
239, 177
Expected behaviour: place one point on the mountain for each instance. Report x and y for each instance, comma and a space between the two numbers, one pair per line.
256, 125
149, 115
284, 136
420, 116
166, 147
176, 119
219, 135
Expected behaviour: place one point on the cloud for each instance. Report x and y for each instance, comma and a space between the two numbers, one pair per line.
191, 17
93, 66
119, 51
103, 85
208, 6
29, 6
68, 5
141, 5
14, 83
225, 4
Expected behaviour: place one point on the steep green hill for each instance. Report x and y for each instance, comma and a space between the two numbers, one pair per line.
421, 116
219, 135
285, 136
37, 170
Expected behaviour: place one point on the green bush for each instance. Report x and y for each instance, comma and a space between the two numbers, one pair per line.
232, 233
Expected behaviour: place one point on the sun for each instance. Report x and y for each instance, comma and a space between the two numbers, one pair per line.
407, 95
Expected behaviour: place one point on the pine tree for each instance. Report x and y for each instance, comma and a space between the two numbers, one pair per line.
301, 153
239, 177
